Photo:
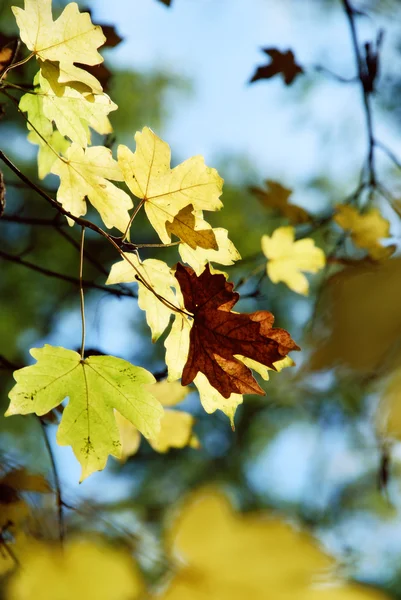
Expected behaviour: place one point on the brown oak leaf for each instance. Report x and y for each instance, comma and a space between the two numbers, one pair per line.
281, 62
217, 334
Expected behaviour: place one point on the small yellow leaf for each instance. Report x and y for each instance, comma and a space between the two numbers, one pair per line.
212, 400
73, 112
226, 254
88, 570
166, 191
175, 431
188, 229
160, 277
169, 393
87, 173
288, 258
177, 346
175, 426
366, 229
72, 38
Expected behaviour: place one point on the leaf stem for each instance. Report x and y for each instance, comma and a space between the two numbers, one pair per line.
15, 65
81, 291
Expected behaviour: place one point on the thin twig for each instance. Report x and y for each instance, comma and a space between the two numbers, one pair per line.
56, 478
69, 279
81, 291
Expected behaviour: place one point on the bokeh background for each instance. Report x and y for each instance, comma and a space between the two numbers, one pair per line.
312, 449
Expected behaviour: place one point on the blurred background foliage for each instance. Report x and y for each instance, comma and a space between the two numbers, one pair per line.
317, 448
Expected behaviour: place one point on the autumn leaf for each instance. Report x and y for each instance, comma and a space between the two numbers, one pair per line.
197, 258
70, 111
87, 173
282, 63
218, 334
183, 226
88, 569
175, 426
366, 229
95, 387
72, 38
214, 565
156, 274
166, 191
288, 259
276, 196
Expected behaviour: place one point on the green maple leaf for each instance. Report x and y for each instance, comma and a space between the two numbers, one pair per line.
95, 387
72, 38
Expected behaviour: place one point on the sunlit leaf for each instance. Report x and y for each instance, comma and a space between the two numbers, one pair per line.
166, 191
72, 38
87, 173
95, 387
366, 229
288, 259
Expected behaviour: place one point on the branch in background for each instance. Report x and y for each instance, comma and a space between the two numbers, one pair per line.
74, 280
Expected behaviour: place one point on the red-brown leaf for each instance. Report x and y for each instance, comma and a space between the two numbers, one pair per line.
217, 334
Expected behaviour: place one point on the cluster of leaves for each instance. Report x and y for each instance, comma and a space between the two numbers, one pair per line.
111, 402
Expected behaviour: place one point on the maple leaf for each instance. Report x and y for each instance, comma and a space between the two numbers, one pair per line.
166, 191
282, 63
197, 258
95, 387
276, 197
160, 277
183, 226
72, 38
366, 230
218, 334
288, 258
86, 568
175, 426
71, 111
86, 173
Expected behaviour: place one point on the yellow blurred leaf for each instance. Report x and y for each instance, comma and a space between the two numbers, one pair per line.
237, 556
83, 570
288, 259
276, 196
175, 425
87, 173
366, 229
361, 318
166, 191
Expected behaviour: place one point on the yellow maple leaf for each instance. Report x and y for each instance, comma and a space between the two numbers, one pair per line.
366, 229
87, 173
243, 556
89, 570
288, 258
163, 190
159, 276
175, 426
72, 38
